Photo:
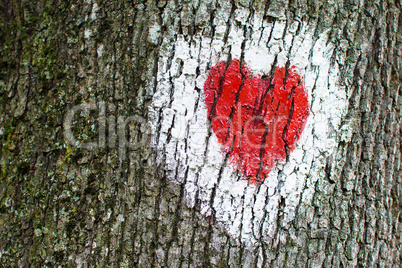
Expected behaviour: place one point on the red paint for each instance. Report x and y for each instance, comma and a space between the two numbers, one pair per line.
258, 120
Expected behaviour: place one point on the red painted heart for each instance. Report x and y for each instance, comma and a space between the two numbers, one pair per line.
257, 119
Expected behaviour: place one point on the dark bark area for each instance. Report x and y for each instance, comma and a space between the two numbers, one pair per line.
114, 206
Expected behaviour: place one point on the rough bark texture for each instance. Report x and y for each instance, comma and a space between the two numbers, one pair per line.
114, 206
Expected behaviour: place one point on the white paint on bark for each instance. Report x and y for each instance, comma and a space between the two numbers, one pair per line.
247, 212
95, 9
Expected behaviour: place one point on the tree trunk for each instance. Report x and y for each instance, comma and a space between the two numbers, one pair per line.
108, 157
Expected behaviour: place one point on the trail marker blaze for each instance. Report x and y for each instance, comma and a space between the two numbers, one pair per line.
257, 119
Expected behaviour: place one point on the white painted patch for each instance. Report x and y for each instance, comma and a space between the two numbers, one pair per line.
87, 33
94, 11
247, 212
154, 33
100, 51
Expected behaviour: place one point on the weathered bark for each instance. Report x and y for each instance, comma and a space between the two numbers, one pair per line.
143, 203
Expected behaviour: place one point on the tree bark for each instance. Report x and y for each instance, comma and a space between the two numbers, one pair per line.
108, 158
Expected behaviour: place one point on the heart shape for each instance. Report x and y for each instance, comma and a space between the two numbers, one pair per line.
256, 119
